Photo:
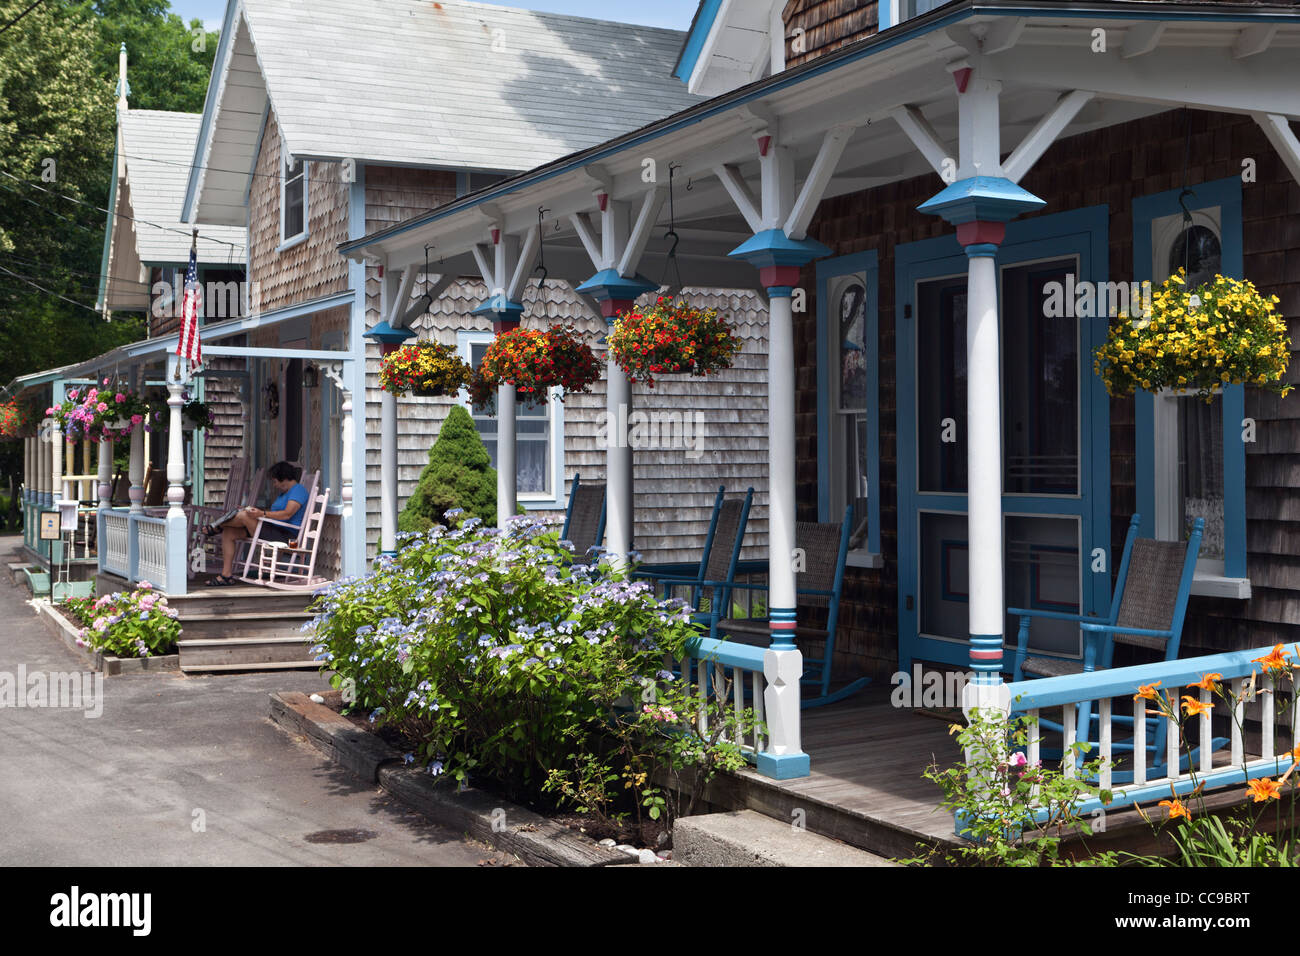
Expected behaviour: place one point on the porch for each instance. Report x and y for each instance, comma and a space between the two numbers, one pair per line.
866, 786
135, 508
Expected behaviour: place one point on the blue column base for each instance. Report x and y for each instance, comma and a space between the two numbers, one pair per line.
783, 766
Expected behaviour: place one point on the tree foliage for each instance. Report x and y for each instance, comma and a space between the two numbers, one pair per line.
459, 475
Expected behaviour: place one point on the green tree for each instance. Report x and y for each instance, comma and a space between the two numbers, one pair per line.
169, 61
459, 475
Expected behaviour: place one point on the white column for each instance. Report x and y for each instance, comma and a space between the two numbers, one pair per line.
783, 662
136, 471
105, 475
28, 472
619, 527
388, 472
56, 464
177, 546
507, 476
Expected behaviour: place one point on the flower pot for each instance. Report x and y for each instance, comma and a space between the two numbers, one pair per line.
433, 391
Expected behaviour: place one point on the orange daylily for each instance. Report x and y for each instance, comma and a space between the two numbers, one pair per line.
1193, 707
1148, 691
1176, 808
1208, 682
1275, 660
1264, 789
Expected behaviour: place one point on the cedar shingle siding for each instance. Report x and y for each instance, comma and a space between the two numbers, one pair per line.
1111, 166
827, 25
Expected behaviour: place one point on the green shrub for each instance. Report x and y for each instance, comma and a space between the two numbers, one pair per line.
499, 657
135, 623
459, 475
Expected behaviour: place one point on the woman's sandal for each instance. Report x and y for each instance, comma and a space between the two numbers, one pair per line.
221, 581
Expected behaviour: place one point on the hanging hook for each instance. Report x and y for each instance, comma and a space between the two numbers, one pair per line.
541, 248
690, 183
1187, 214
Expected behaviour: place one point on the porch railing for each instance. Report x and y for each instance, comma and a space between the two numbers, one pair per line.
142, 547
1260, 720
115, 549
730, 676
151, 548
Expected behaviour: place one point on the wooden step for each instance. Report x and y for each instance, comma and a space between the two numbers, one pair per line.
245, 653
266, 666
224, 629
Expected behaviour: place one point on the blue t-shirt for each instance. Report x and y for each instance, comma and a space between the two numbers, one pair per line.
297, 493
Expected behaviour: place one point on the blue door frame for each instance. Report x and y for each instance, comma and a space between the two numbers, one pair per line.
1083, 233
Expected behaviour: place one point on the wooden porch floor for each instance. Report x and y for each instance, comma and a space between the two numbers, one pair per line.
866, 786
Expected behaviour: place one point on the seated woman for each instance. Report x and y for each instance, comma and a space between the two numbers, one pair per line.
288, 508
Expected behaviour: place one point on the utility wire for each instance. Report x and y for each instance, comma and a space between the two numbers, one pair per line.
77, 272
79, 202
21, 15
81, 305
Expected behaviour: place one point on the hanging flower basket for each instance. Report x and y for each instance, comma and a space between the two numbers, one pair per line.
99, 413
1224, 333
424, 369
534, 362
672, 338
15, 420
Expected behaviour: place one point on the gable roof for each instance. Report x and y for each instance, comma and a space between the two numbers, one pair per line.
452, 84
154, 150
730, 44
157, 148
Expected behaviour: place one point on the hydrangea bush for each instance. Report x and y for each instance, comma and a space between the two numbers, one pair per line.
502, 658
135, 623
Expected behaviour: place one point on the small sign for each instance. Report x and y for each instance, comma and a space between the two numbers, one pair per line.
51, 526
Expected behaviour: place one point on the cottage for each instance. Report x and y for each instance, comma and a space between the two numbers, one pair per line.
915, 377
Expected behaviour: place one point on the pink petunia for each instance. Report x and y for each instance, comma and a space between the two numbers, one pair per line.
120, 398
136, 419
101, 407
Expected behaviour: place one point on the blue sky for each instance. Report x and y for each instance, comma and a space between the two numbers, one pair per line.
675, 14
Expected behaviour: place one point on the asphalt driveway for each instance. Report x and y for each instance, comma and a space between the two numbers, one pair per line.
185, 770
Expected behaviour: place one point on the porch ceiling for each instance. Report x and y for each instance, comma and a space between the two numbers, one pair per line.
1208, 57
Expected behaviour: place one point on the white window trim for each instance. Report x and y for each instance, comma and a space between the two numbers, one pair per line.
1208, 579
532, 501
288, 242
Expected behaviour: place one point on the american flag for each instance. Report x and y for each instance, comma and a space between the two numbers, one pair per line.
189, 345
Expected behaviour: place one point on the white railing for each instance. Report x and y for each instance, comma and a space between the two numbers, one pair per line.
115, 543
730, 676
151, 544
1257, 712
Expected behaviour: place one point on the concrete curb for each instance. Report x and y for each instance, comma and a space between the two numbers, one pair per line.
504, 826
749, 838
107, 664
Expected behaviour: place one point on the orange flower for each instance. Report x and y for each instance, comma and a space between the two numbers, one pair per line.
1193, 707
1274, 661
1148, 691
1208, 682
1176, 808
1264, 788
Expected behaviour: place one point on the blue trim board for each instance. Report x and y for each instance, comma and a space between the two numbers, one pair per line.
701, 26
1079, 232
865, 264
1226, 194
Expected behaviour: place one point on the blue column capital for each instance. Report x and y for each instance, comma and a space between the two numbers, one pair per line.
608, 287
773, 247
981, 199
386, 335
501, 308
